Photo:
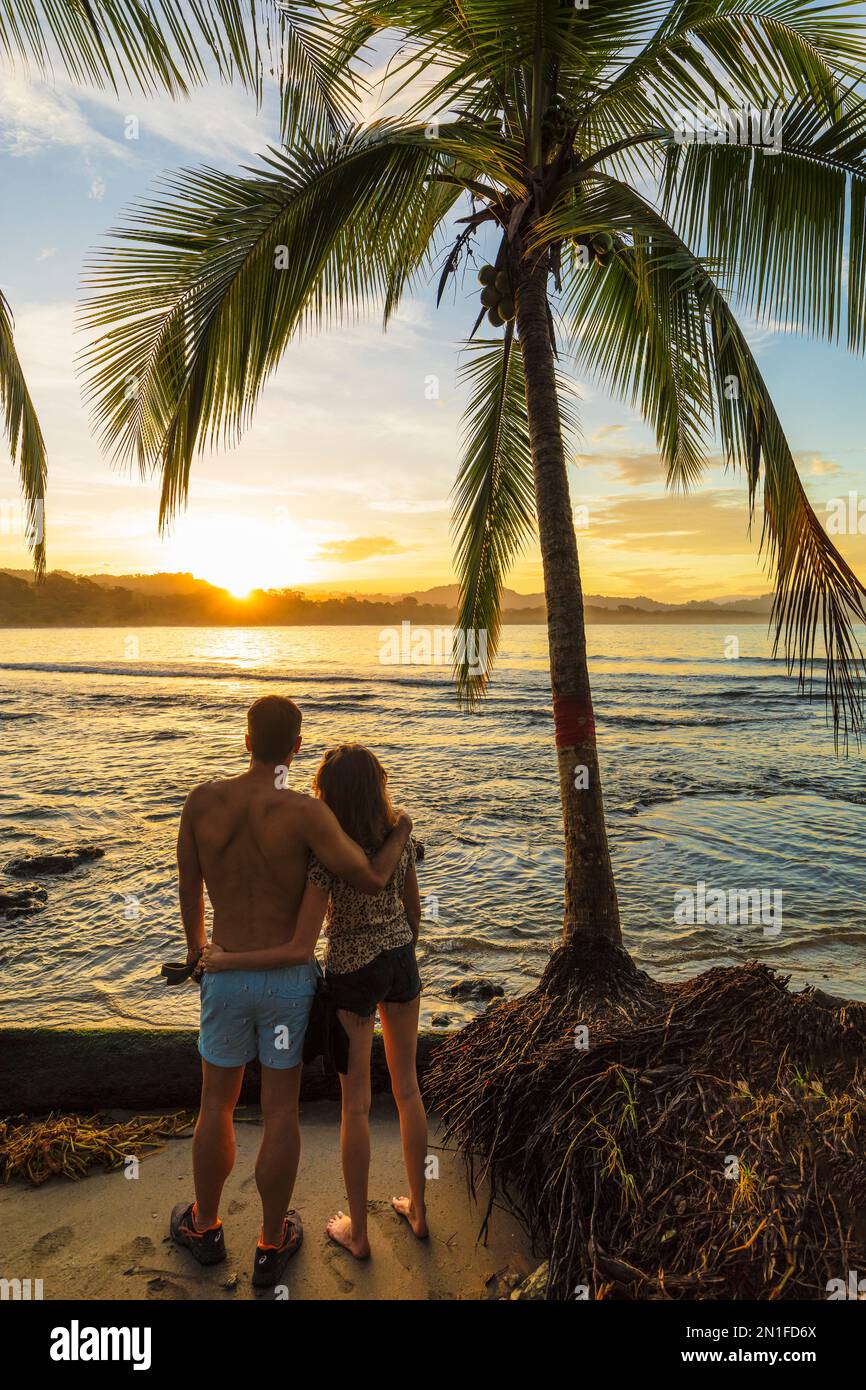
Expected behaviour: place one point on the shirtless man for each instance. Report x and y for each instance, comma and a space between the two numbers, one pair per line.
247, 840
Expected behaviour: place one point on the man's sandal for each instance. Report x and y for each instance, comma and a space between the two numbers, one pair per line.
175, 972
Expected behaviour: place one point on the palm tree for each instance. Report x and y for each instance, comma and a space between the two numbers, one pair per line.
158, 46
558, 129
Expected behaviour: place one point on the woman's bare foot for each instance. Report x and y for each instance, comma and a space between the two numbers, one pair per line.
339, 1229
418, 1221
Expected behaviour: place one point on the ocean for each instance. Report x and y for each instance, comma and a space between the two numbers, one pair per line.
736, 830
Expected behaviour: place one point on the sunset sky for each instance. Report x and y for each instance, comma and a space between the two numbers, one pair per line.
344, 479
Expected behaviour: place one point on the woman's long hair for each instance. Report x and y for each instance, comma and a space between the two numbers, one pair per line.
354, 784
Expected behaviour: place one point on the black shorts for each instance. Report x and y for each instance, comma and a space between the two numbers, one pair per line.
391, 978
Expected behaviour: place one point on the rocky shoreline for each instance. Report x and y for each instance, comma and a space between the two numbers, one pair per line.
28, 898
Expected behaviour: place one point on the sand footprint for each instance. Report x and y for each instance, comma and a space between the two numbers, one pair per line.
52, 1241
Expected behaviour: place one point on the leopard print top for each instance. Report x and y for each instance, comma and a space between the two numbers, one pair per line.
360, 926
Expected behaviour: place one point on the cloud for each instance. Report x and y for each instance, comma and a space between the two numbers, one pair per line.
45, 340
388, 93
767, 331
216, 122
406, 506
714, 522
672, 584
34, 117
46, 253
636, 468
360, 548
605, 431
639, 469
817, 465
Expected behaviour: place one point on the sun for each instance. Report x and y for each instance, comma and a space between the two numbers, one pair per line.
241, 589
241, 554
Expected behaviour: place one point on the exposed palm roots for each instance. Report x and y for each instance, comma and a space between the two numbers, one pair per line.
697, 1140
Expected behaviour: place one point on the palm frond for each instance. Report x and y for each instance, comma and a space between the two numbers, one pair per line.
494, 497
637, 327
818, 597
26, 443
786, 224
160, 45
320, 89
195, 306
494, 503
737, 51
500, 58
787, 44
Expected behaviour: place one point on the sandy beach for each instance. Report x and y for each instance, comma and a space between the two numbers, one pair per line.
105, 1237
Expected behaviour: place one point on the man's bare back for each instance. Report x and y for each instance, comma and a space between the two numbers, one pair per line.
248, 841
253, 854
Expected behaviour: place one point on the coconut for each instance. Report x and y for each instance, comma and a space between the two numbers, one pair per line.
602, 241
506, 308
490, 296
487, 275
501, 282
495, 317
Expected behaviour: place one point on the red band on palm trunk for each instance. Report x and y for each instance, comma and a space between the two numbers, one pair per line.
573, 721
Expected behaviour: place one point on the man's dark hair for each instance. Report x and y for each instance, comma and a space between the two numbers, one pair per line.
273, 723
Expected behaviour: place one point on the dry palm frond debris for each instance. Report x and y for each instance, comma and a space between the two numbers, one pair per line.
694, 1140
70, 1145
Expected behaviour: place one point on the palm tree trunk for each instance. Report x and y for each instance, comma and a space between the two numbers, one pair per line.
590, 893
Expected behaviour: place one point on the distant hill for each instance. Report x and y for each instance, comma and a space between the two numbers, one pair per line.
153, 583
448, 594
513, 602
181, 600
156, 584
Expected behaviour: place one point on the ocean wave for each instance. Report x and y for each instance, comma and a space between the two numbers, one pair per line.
738, 692
457, 945
723, 663
675, 721
170, 671
178, 699
755, 789
361, 695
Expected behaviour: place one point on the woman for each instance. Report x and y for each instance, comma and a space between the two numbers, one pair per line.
369, 964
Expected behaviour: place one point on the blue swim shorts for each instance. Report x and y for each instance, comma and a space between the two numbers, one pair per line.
256, 1013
